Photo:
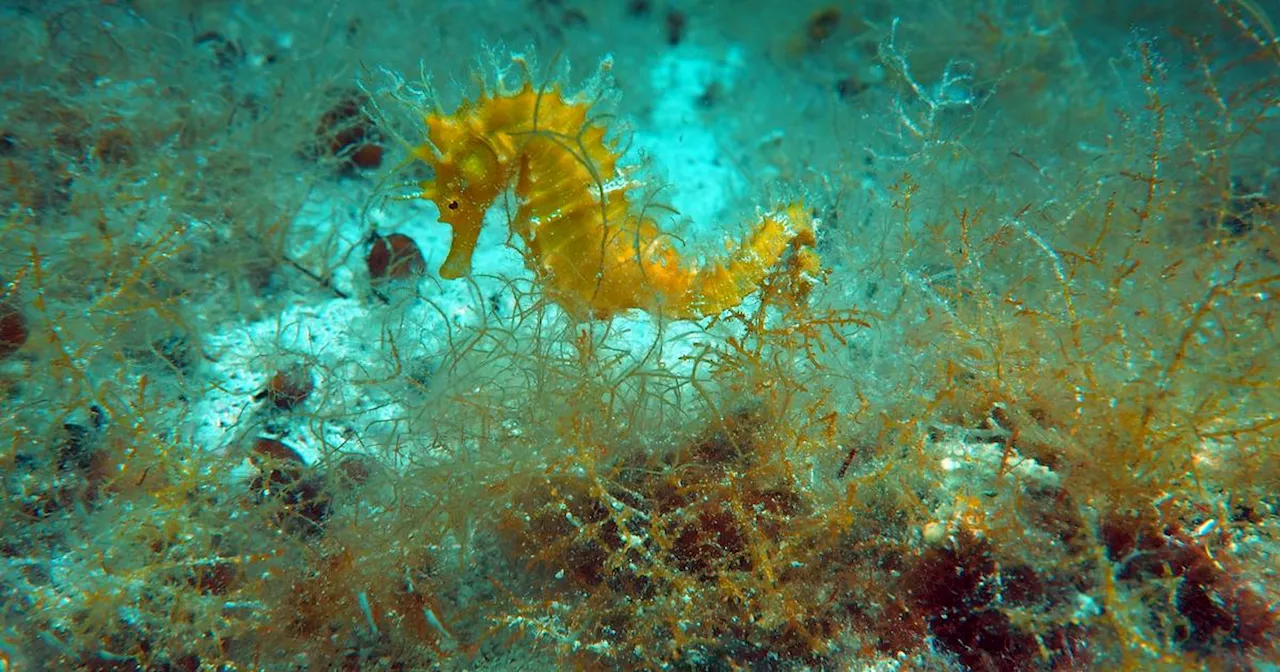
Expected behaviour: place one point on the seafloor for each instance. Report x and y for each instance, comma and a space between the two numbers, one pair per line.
795, 335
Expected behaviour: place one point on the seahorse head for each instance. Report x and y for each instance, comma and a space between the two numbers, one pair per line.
472, 164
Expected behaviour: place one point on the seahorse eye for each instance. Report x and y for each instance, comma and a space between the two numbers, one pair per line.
453, 205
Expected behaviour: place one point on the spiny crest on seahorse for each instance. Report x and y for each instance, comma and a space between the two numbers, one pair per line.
593, 251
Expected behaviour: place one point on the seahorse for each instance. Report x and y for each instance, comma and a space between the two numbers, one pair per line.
593, 251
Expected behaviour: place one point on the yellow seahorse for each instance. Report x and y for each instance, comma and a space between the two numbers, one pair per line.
593, 251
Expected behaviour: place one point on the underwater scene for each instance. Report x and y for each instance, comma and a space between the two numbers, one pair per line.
726, 335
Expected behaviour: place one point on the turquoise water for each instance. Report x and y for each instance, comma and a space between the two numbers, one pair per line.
794, 336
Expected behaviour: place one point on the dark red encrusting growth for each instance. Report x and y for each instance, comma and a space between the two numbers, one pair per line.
271, 452
82, 470
343, 591
345, 131
1220, 613
215, 578
964, 595
101, 661
582, 560
354, 470
702, 515
13, 329
395, 257
822, 24
367, 155
288, 388
285, 480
